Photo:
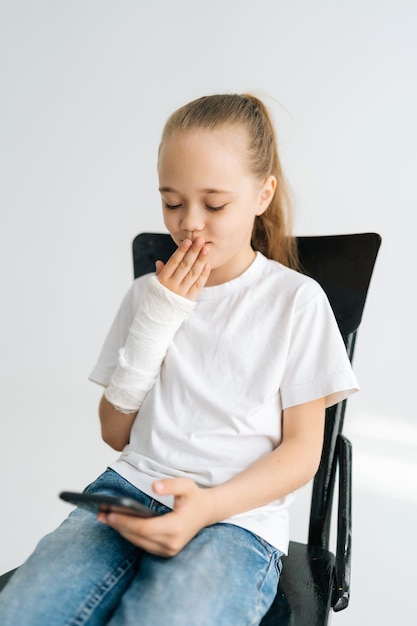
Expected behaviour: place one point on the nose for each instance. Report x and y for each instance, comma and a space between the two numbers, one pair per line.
192, 220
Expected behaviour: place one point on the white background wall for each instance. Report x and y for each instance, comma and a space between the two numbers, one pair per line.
86, 86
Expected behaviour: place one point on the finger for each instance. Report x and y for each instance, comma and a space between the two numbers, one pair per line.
174, 486
151, 543
153, 535
200, 282
176, 258
159, 266
136, 529
191, 269
186, 259
160, 546
186, 273
134, 524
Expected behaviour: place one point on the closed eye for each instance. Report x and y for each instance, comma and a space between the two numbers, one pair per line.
172, 206
215, 208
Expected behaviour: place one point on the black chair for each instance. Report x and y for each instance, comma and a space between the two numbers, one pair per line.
314, 580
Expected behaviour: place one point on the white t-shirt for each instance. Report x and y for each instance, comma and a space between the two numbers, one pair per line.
253, 346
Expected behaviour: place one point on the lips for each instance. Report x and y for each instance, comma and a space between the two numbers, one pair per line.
205, 243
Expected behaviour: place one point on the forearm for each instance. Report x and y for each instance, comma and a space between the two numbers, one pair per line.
160, 314
274, 476
277, 474
115, 426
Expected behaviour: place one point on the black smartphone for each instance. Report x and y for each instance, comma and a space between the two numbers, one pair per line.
103, 503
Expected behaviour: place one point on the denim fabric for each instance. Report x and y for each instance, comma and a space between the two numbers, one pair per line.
86, 573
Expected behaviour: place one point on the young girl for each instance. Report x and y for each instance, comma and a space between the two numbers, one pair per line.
217, 371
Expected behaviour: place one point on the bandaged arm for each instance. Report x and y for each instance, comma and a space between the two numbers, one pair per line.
161, 312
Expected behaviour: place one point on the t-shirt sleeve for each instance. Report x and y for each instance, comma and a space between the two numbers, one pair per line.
116, 337
317, 364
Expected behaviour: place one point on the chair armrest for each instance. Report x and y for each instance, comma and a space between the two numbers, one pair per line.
341, 590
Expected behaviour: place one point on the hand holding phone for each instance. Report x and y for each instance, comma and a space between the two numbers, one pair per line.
102, 503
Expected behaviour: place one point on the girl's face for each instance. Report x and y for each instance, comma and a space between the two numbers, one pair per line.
208, 191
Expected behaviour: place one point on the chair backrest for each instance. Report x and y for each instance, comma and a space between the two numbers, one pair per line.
343, 266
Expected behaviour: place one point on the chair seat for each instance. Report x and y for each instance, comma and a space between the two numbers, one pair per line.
4, 578
305, 588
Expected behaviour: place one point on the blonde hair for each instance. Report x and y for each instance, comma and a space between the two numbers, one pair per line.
272, 231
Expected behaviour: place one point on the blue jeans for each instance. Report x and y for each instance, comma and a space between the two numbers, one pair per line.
86, 573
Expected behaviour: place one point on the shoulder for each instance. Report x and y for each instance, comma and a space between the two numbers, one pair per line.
288, 285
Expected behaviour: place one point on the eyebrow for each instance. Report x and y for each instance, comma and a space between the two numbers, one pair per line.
208, 191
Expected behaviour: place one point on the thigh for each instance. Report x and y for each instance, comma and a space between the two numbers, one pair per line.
76, 574
225, 576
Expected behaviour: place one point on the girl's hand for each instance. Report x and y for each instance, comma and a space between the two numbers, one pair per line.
187, 271
166, 535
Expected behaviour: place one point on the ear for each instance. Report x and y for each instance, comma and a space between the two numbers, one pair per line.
266, 194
